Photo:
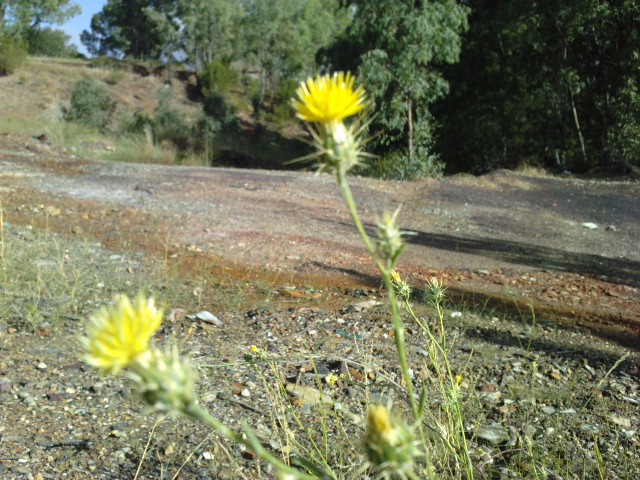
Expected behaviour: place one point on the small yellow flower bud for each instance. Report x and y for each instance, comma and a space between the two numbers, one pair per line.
389, 238
389, 445
402, 288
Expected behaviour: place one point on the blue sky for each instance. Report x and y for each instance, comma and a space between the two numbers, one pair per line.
76, 25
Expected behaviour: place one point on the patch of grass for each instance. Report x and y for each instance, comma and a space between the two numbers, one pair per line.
141, 149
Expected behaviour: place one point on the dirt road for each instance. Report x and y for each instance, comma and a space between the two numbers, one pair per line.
569, 247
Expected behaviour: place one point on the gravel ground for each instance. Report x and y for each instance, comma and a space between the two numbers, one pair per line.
537, 398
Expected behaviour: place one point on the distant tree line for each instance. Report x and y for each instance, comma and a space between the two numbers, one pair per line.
26, 25
455, 85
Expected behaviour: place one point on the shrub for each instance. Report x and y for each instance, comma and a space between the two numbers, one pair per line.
50, 43
216, 107
114, 77
90, 105
170, 124
13, 53
217, 78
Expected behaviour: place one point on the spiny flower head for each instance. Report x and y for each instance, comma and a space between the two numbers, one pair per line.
402, 287
167, 381
390, 446
329, 98
119, 334
389, 238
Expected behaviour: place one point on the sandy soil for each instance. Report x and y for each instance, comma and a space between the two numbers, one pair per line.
506, 239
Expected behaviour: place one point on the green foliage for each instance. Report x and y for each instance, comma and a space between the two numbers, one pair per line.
138, 123
216, 107
90, 105
281, 38
397, 48
48, 42
169, 124
126, 28
217, 78
13, 53
549, 83
623, 139
281, 108
19, 16
211, 29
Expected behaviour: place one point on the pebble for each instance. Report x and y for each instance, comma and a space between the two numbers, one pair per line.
590, 225
622, 421
493, 433
42, 366
549, 410
207, 317
308, 395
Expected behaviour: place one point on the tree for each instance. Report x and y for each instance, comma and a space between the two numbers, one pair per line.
547, 83
49, 43
397, 47
127, 28
20, 15
210, 30
282, 37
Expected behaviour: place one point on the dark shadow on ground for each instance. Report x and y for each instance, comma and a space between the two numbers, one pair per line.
594, 356
625, 272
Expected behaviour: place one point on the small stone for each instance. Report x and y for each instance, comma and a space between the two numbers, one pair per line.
245, 393
555, 374
366, 305
308, 395
456, 314
611, 228
207, 455
52, 211
42, 366
568, 411
493, 433
622, 421
206, 317
590, 225
549, 410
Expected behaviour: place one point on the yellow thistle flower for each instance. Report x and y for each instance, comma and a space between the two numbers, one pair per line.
118, 335
329, 99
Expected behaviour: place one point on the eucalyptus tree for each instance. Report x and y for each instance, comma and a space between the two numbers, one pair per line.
282, 37
398, 48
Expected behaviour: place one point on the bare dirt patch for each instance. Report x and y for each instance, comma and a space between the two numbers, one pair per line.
505, 239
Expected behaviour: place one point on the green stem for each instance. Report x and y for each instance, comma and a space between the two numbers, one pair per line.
196, 412
398, 325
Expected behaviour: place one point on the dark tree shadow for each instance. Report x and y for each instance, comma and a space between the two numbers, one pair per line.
626, 272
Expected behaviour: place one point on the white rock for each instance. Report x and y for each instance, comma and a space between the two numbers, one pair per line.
590, 225
207, 317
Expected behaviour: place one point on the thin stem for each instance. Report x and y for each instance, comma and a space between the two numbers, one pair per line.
398, 325
196, 412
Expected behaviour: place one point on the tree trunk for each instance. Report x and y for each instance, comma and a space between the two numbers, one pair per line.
410, 122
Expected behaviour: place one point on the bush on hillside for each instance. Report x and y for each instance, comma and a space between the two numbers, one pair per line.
90, 105
217, 78
13, 52
48, 42
169, 124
